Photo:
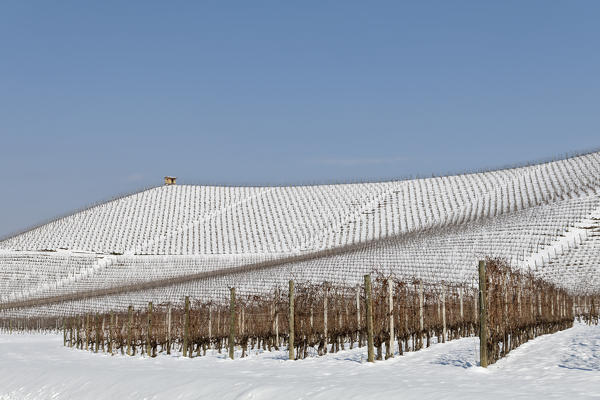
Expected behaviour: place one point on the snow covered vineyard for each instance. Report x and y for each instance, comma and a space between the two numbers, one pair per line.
173, 241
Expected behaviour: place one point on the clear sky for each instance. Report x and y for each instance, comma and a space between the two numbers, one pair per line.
105, 97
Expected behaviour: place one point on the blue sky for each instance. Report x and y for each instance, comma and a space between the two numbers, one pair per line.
101, 98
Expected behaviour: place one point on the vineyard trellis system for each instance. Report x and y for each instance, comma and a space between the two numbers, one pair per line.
508, 309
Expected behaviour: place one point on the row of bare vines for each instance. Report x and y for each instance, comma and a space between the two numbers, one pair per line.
407, 316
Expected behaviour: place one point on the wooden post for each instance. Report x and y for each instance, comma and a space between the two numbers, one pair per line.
129, 330
325, 306
532, 305
519, 299
369, 307
291, 321
483, 315
87, 331
276, 311
358, 308
70, 332
444, 329
110, 332
149, 332
103, 330
242, 324
97, 326
210, 326
169, 329
460, 299
390, 349
421, 303
186, 326
64, 333
232, 323
475, 306
79, 333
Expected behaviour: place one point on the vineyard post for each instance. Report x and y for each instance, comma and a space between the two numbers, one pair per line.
232, 323
242, 321
444, 329
129, 330
103, 330
505, 348
462, 324
70, 332
276, 311
421, 322
359, 339
97, 326
482, 315
460, 299
560, 300
186, 326
540, 304
169, 329
475, 306
210, 326
110, 332
587, 306
369, 307
79, 339
291, 321
117, 328
149, 331
64, 333
325, 316
390, 348
532, 311
519, 299
87, 331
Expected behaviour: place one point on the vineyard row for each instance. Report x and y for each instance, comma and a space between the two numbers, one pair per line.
388, 315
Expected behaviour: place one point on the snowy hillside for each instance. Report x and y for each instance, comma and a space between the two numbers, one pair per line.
164, 243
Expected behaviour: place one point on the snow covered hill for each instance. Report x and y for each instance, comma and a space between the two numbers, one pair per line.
164, 243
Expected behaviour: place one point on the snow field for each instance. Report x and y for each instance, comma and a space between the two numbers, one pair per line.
558, 366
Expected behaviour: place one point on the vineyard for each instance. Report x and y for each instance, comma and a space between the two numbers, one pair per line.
507, 310
187, 268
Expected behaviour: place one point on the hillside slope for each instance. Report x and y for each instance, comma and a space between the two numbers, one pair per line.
171, 241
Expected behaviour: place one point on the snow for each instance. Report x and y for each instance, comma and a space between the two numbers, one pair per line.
563, 365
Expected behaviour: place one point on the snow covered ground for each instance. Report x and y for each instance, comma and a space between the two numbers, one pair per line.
559, 366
